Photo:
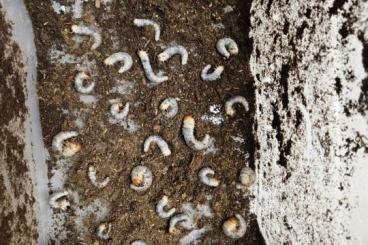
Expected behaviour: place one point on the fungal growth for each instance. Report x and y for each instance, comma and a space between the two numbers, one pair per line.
88, 31
194, 236
120, 56
247, 178
182, 219
141, 178
235, 227
174, 50
79, 83
206, 75
206, 177
151, 76
64, 147
164, 147
60, 200
162, 208
118, 111
170, 107
227, 46
103, 231
92, 177
138, 242
229, 105
146, 22
188, 134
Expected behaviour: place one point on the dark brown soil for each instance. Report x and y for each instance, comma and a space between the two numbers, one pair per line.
115, 151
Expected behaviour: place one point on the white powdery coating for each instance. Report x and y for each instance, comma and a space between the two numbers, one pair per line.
235, 227
164, 147
188, 134
161, 206
170, 107
141, 178
194, 236
206, 177
229, 105
174, 50
146, 22
58, 142
118, 113
59, 204
80, 87
138, 242
88, 31
92, 177
103, 231
120, 56
216, 74
151, 76
227, 46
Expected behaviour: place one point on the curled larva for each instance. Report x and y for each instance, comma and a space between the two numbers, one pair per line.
216, 74
92, 177
141, 178
64, 147
162, 210
206, 177
146, 22
227, 46
79, 83
138, 242
151, 76
235, 227
164, 147
118, 111
247, 178
182, 219
188, 134
235, 100
88, 31
120, 56
103, 231
170, 107
59, 200
174, 50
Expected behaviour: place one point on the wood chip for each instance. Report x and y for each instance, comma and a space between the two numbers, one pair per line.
98, 3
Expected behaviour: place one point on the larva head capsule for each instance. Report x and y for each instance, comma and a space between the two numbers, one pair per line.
141, 178
235, 227
188, 122
71, 148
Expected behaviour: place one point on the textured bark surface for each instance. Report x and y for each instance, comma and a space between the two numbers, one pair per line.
311, 121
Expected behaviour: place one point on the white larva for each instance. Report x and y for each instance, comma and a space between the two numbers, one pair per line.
88, 31
79, 86
59, 200
164, 147
117, 112
138, 242
170, 107
120, 56
162, 210
188, 134
181, 219
235, 227
141, 178
151, 76
174, 50
229, 105
227, 46
92, 177
146, 22
216, 74
247, 178
103, 231
66, 149
206, 177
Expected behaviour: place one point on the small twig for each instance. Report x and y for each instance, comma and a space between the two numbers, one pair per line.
98, 3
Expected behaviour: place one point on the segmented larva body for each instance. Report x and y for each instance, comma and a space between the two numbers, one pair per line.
120, 56
216, 74
59, 200
92, 177
170, 107
227, 46
247, 178
88, 31
188, 134
229, 105
235, 227
206, 177
151, 76
146, 22
117, 112
103, 231
181, 219
174, 50
138, 242
164, 147
66, 149
79, 83
161, 206
141, 178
